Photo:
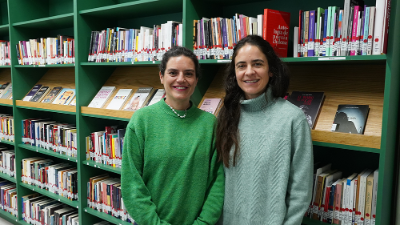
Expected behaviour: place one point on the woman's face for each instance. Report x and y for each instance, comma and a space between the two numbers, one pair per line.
179, 80
252, 71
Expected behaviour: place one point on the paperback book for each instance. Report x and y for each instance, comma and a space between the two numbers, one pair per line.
7, 93
119, 99
350, 119
309, 102
52, 95
65, 96
158, 95
101, 97
210, 105
32, 92
40, 94
139, 99
4, 88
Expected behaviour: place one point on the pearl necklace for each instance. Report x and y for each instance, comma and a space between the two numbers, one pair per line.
173, 110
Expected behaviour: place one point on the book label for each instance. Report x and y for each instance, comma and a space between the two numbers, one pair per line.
332, 58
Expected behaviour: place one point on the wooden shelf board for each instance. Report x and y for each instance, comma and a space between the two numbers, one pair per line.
57, 197
347, 141
4, 141
150, 63
8, 177
6, 102
44, 66
106, 113
48, 152
66, 109
135, 9
8, 216
52, 22
106, 217
102, 166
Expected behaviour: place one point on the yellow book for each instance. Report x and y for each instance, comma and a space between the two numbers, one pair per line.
113, 149
136, 47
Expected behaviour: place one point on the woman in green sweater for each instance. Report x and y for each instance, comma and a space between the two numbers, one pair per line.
263, 140
170, 171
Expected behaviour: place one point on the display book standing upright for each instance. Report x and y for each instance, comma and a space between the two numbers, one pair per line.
77, 18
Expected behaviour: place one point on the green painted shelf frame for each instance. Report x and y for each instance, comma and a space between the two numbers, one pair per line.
80, 17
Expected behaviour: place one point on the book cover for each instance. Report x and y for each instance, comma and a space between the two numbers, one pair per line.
65, 96
119, 99
7, 93
32, 92
276, 30
210, 105
158, 95
4, 88
309, 102
73, 102
138, 99
40, 94
350, 119
101, 97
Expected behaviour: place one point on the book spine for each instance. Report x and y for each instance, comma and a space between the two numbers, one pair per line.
354, 31
310, 50
379, 20
386, 27
366, 31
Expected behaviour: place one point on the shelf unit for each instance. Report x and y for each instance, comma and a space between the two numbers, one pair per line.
372, 80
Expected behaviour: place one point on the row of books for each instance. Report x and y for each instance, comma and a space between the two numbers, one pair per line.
6, 91
57, 178
144, 96
348, 118
106, 146
56, 95
134, 45
7, 127
8, 197
215, 38
46, 51
5, 53
7, 161
104, 195
51, 135
38, 209
344, 200
357, 29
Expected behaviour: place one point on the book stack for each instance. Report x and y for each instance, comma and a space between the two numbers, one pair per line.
5, 53
134, 45
339, 199
106, 146
357, 29
124, 99
8, 197
104, 195
6, 127
7, 161
46, 51
215, 38
57, 178
38, 209
50, 135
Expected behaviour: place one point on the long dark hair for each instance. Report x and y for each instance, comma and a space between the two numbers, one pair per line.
228, 119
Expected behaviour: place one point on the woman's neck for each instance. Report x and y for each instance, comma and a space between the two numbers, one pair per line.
178, 105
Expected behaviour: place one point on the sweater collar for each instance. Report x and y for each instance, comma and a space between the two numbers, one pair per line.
259, 103
169, 111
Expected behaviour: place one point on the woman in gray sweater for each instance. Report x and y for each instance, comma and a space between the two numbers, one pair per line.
263, 140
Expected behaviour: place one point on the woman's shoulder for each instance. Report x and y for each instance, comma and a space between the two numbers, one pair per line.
289, 110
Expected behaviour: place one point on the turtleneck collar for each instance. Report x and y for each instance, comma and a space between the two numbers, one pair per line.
190, 112
258, 103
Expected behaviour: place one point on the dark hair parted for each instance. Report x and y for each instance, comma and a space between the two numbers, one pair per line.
176, 52
228, 118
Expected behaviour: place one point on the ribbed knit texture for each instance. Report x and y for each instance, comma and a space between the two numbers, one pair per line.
170, 173
272, 181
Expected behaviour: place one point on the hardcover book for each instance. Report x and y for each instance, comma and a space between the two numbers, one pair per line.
309, 102
101, 97
350, 119
52, 95
32, 92
40, 94
210, 105
119, 99
276, 30
139, 99
65, 96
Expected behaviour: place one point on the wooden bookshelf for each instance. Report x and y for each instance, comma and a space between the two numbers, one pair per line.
46, 106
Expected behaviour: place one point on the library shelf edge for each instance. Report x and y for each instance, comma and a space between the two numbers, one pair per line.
106, 217
45, 65
8, 216
102, 166
66, 109
144, 63
59, 21
48, 152
106, 113
8, 177
57, 197
6, 102
7, 142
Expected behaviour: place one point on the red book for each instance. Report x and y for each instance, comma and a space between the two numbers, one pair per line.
276, 30
327, 195
386, 28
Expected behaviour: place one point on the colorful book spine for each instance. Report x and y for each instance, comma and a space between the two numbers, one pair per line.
366, 31
354, 30
311, 33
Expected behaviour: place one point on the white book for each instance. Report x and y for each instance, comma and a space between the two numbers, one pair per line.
102, 96
379, 26
295, 41
348, 199
260, 25
361, 198
160, 94
119, 99
374, 197
371, 30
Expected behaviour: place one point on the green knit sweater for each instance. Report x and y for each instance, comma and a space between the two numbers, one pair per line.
272, 181
170, 173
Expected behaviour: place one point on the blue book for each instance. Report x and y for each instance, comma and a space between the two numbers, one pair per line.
325, 33
311, 33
